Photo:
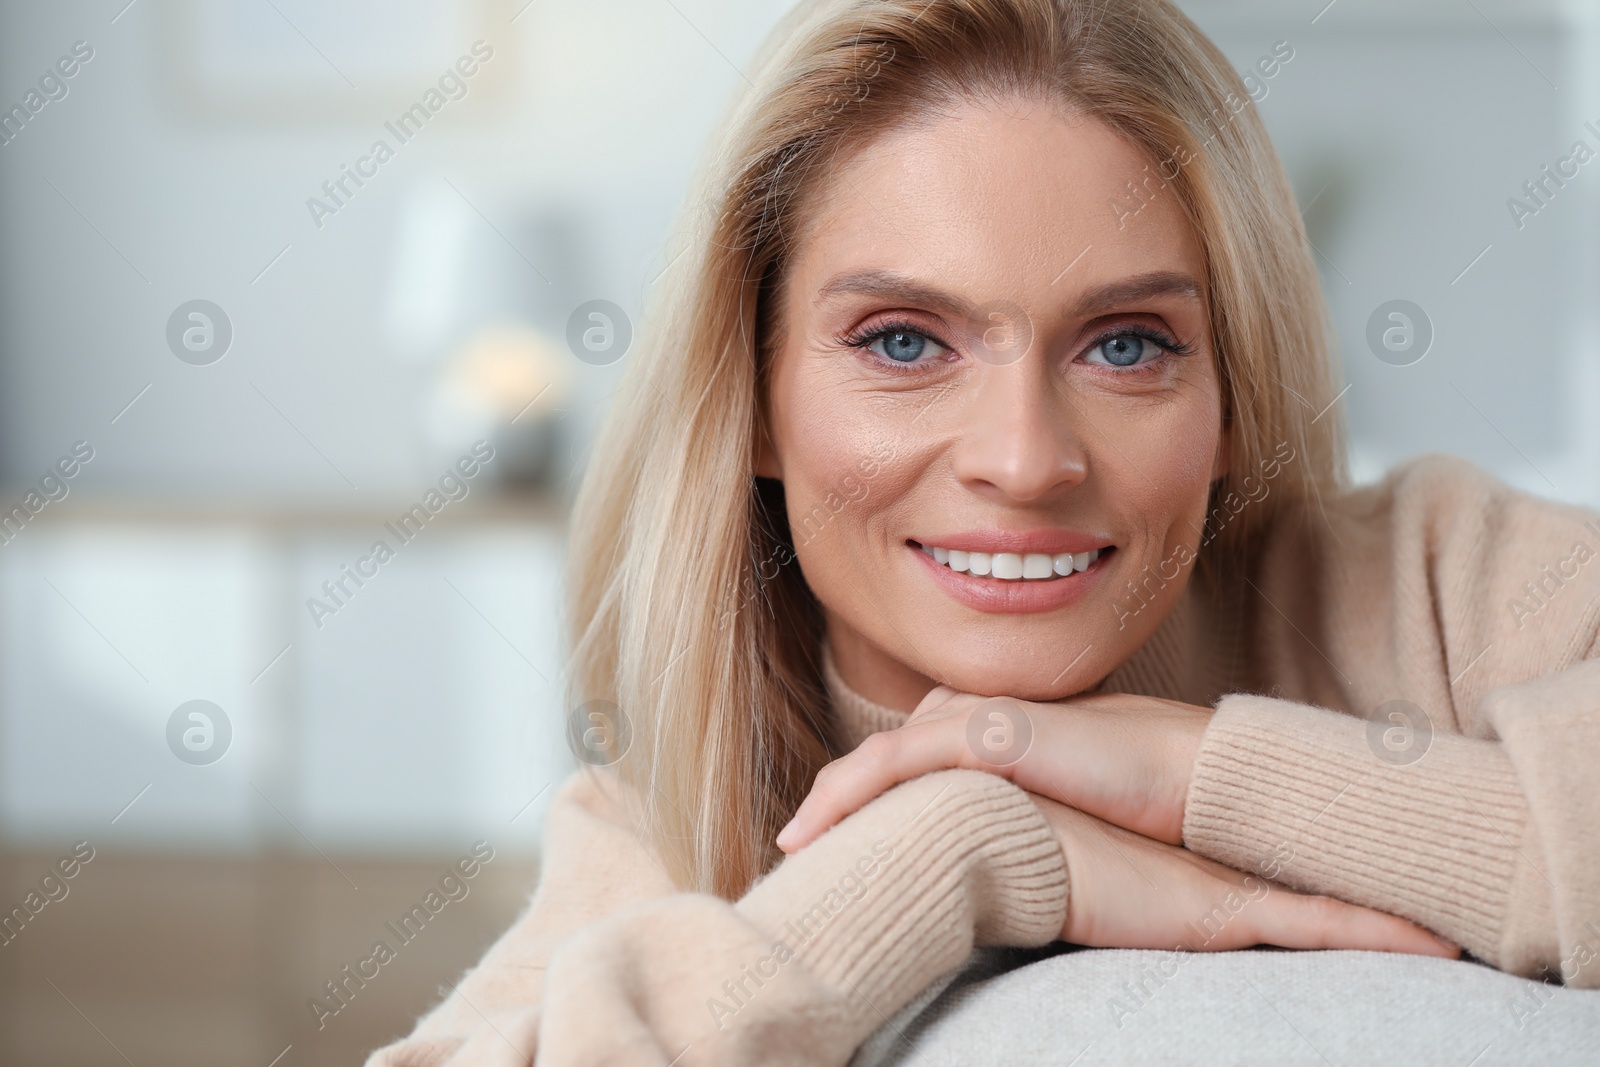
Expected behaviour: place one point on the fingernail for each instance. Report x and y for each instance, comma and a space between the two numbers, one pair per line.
785, 834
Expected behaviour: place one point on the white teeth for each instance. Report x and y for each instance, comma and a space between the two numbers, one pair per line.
1013, 566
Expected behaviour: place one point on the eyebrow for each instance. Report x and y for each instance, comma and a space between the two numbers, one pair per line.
883, 283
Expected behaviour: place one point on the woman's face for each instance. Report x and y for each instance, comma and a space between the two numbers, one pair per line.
994, 357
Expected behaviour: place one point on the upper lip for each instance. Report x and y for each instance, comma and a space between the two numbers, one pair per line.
1022, 542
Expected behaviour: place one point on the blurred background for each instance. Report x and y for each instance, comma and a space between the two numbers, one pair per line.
261, 344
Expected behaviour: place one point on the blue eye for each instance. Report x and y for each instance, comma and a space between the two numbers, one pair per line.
1136, 348
1125, 350
902, 346
898, 344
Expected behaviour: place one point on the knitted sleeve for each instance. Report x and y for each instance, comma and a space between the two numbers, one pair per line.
800, 970
1458, 784
591, 864
1453, 841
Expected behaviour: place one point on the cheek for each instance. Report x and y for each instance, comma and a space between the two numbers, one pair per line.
847, 463
836, 462
1161, 469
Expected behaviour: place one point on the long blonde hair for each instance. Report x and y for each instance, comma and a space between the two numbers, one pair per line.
686, 609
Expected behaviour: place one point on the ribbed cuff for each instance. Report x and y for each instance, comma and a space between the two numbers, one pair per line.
900, 892
1528, 941
1296, 793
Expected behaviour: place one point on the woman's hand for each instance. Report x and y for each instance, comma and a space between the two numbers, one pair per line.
1126, 759
1127, 891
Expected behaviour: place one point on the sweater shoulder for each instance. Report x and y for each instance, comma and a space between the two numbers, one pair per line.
597, 801
592, 863
1456, 511
595, 854
1433, 487
597, 793
1491, 567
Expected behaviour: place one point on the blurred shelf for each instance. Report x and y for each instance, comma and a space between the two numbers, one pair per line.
179, 960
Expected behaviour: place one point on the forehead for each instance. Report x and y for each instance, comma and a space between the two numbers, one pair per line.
998, 198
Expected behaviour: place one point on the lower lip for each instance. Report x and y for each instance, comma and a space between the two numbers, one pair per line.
1001, 596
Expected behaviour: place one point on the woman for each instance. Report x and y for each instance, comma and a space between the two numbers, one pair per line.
995, 385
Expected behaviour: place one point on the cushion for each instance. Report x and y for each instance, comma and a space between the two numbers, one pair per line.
1070, 1005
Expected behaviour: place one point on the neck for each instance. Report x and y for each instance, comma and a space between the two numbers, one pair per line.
872, 672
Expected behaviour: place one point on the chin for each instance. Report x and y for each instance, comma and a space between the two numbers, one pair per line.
1044, 668
1033, 657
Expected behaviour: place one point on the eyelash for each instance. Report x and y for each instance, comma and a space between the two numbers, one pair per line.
1170, 344
864, 339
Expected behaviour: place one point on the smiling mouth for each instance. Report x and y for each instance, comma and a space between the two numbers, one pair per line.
1015, 566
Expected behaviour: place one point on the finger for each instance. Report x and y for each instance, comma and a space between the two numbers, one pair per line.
1321, 922
881, 762
936, 698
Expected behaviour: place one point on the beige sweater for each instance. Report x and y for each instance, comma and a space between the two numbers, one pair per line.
1440, 587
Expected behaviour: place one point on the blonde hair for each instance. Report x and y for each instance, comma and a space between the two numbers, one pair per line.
685, 607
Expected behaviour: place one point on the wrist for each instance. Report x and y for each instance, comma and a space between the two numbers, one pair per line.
900, 891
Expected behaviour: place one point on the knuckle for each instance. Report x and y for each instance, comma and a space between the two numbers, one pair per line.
826, 784
937, 696
876, 749
827, 778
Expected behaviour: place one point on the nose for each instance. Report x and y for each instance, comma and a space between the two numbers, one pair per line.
1020, 443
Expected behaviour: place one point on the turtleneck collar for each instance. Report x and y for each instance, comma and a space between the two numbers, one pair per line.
859, 716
